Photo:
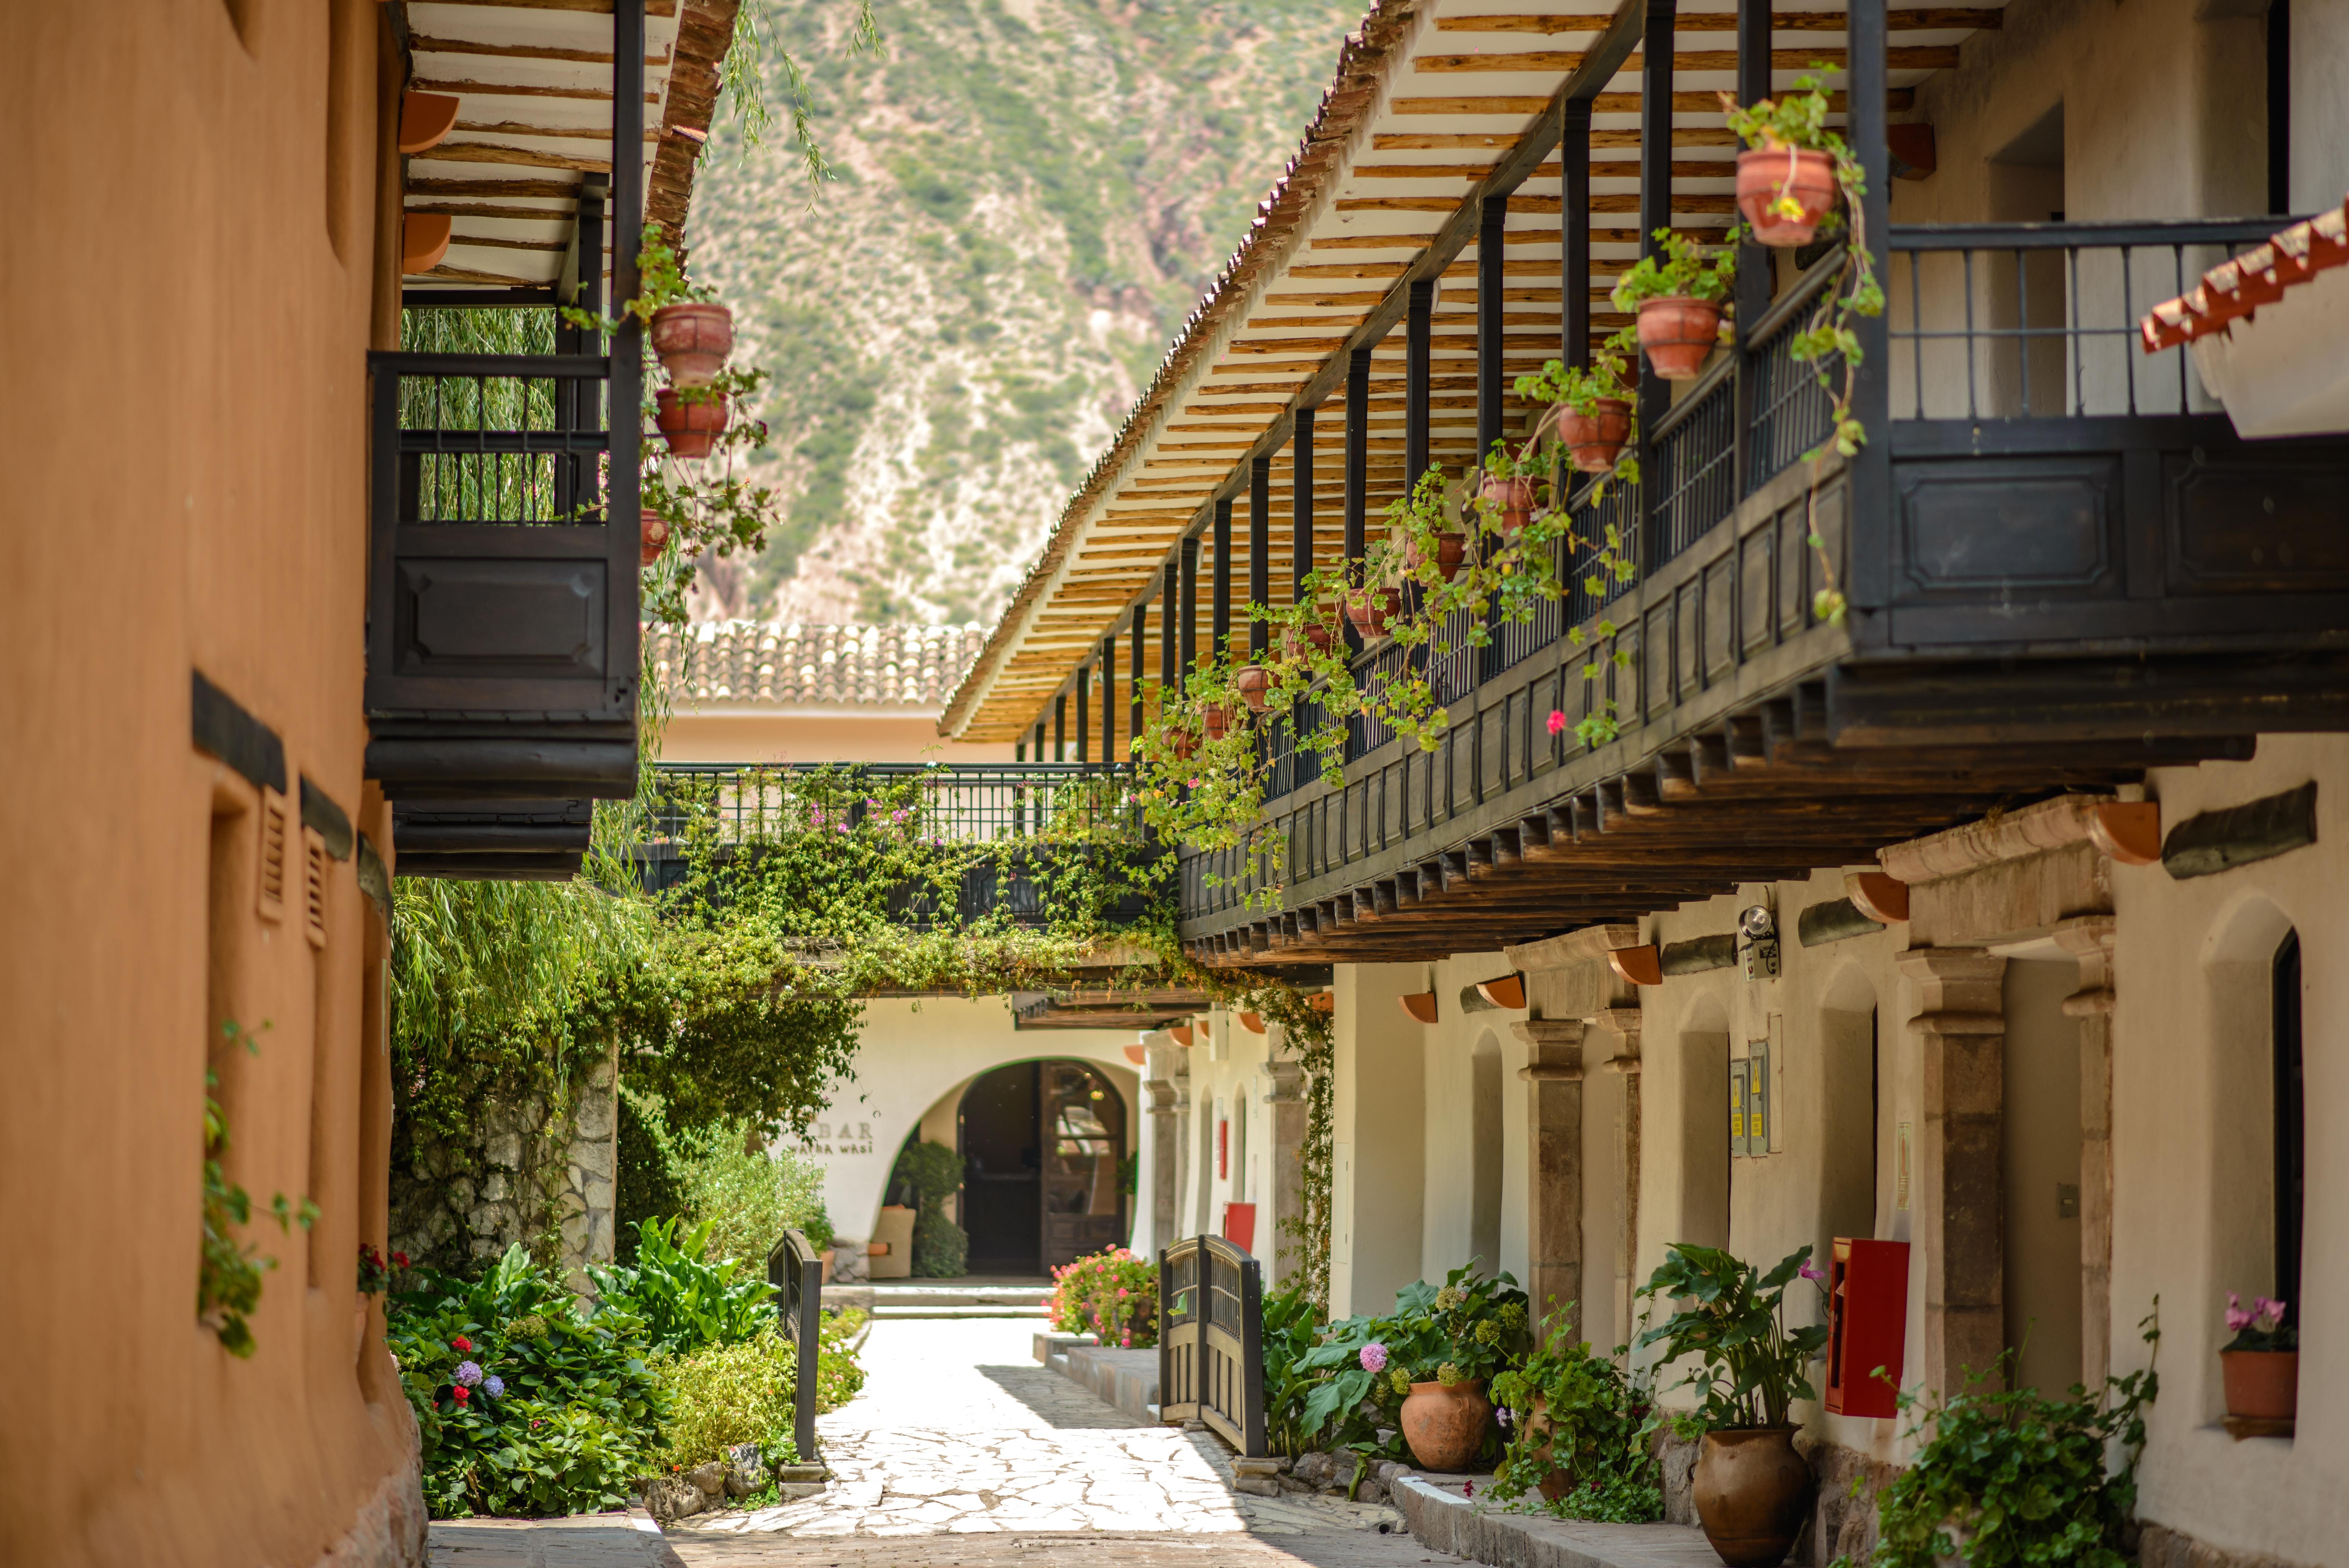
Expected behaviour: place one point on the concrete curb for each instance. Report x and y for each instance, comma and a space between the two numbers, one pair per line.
1125, 1378
1440, 1516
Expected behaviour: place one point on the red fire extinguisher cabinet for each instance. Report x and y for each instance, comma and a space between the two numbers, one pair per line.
1868, 1325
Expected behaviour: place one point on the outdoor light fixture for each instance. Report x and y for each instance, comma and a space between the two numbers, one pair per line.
1760, 929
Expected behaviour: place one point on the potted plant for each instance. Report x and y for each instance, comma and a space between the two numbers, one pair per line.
1217, 719
1372, 610
1787, 177
1752, 1490
2261, 1364
690, 422
1252, 681
1578, 1431
692, 340
1506, 488
653, 534
1442, 1343
1589, 407
1678, 296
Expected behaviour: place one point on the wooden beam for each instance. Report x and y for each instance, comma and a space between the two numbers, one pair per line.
1905, 21
1908, 57
421, 43
1896, 99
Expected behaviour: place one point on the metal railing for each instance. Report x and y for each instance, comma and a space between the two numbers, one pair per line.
796, 1270
945, 802
1211, 1340
499, 438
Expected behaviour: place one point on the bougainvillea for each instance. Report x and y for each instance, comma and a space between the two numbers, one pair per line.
1113, 1295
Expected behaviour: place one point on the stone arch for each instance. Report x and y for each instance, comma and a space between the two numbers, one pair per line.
1702, 1215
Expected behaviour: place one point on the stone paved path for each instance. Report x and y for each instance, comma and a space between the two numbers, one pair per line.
962, 1450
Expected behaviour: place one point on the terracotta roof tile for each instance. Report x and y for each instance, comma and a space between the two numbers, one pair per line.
793, 664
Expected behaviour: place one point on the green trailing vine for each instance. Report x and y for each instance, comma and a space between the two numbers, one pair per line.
229, 1273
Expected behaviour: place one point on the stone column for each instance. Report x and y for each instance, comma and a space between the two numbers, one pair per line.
1553, 1075
2089, 939
1962, 1027
591, 1169
1166, 1141
1285, 1213
1625, 1022
1181, 1077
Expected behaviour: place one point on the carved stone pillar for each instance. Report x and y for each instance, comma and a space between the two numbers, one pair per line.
1553, 1075
2089, 939
1625, 1022
1962, 1027
1165, 1138
1276, 1242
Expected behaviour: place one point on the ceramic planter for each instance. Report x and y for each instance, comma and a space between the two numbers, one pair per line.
690, 426
1595, 440
1373, 610
2262, 1385
1451, 549
1766, 176
692, 341
1446, 1426
1217, 719
1753, 1493
1678, 332
1252, 681
1184, 744
1515, 498
653, 533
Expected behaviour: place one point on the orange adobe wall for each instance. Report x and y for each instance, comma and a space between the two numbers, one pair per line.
193, 273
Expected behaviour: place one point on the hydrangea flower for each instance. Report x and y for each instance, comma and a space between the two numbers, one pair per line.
1489, 1333
494, 1386
468, 1374
1448, 1373
1447, 1298
1401, 1381
1512, 1316
1374, 1358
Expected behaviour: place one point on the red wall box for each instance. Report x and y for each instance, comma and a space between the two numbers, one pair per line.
1868, 1325
1239, 1225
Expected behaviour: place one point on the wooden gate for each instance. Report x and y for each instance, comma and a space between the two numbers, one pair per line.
1211, 1340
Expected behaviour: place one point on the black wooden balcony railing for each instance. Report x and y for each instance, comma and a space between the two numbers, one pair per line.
1030, 816
2064, 544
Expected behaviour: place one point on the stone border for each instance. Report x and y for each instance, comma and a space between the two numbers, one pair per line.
1441, 1518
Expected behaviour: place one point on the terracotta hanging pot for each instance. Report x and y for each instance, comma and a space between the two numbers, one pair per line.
1767, 175
1595, 440
1446, 1426
2262, 1385
1451, 549
1753, 1492
1184, 744
693, 341
1514, 497
654, 534
1252, 681
1678, 332
690, 426
1373, 610
1217, 719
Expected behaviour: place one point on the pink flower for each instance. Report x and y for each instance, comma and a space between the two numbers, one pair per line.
1811, 1271
1374, 1358
2238, 1317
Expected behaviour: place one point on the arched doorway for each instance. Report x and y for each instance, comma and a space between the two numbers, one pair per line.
1043, 1151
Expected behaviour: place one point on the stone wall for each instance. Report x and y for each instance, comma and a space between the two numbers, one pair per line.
539, 1170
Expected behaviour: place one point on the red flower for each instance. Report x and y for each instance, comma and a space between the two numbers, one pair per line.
461, 1393
460, 1344
399, 1258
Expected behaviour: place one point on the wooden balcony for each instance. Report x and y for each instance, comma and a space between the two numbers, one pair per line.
2063, 568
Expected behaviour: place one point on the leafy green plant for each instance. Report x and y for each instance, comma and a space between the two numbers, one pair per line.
1292, 1327
747, 1194
228, 1272
722, 1394
685, 1301
1750, 1367
934, 1171
1354, 1380
1683, 271
2014, 1477
524, 1406
1581, 1428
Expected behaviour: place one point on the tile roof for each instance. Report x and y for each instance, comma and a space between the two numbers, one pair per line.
2234, 289
776, 665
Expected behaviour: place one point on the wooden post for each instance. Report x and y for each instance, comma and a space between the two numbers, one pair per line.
1134, 684
1187, 619
1259, 582
1358, 472
623, 499
1108, 697
1867, 568
1084, 701
1418, 360
1574, 235
1220, 642
1061, 727
1655, 213
1300, 505
1491, 328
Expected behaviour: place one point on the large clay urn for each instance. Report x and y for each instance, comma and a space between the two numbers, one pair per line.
1446, 1426
1769, 175
1678, 332
692, 341
2262, 1385
1595, 440
1753, 1492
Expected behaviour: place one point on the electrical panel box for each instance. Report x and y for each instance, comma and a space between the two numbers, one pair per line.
1749, 1100
1868, 1326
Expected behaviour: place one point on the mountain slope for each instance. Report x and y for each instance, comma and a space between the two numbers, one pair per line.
1030, 195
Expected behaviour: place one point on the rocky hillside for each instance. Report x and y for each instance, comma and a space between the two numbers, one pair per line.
1030, 194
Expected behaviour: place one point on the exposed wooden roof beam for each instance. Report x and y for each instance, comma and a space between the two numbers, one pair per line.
1905, 21
1543, 62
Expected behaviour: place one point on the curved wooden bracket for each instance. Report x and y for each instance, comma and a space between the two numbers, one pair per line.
1508, 990
423, 240
2127, 831
1252, 1022
1419, 1005
1643, 966
425, 118
1180, 1033
1883, 899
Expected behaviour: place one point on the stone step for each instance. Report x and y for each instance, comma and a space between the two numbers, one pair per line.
884, 1300
892, 1309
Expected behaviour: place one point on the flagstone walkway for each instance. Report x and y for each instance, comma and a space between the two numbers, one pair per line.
962, 1450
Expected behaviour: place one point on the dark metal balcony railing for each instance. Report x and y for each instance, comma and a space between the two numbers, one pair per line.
499, 438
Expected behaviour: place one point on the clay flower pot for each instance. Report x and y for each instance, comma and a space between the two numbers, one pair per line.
1451, 549
1446, 1426
1184, 744
2262, 1385
690, 426
653, 530
1373, 610
1678, 332
1217, 719
1556, 1483
693, 341
1753, 1492
1252, 681
1595, 440
1514, 497
1767, 175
